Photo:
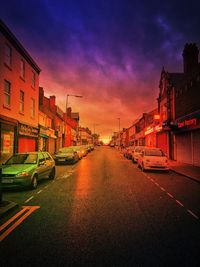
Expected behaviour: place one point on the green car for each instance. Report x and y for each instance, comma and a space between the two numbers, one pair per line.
26, 169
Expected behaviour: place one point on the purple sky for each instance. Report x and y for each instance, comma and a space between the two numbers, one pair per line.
110, 52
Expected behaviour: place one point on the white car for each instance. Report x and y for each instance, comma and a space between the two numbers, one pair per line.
153, 158
136, 152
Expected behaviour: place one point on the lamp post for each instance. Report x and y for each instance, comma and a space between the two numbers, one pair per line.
67, 100
119, 132
94, 132
67, 116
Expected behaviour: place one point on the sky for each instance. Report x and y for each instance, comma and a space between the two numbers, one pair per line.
111, 52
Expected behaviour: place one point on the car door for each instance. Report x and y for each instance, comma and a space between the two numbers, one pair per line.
48, 163
41, 170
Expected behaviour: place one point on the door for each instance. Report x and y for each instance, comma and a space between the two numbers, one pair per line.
42, 169
184, 147
196, 147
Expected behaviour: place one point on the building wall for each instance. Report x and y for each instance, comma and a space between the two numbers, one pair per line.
12, 75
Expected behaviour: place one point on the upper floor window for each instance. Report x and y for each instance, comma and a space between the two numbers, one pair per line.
33, 79
32, 108
21, 102
7, 92
8, 55
22, 69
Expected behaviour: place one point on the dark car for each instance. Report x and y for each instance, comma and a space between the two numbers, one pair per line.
66, 155
26, 169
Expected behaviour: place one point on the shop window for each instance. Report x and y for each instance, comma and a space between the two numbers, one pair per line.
21, 102
33, 79
32, 108
6, 141
22, 69
7, 92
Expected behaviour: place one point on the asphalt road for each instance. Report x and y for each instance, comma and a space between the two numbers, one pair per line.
104, 211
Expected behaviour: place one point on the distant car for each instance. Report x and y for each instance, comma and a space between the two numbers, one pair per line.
26, 169
152, 158
66, 155
136, 152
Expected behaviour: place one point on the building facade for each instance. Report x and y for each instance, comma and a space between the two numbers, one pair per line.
19, 86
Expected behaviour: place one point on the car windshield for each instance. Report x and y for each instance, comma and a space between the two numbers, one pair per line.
154, 152
22, 159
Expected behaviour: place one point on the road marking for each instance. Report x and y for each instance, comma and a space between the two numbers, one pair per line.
29, 199
194, 215
28, 209
171, 196
39, 191
13, 218
177, 201
46, 186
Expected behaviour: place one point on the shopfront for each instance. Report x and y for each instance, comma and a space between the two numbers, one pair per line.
8, 130
43, 138
27, 138
150, 136
51, 142
187, 139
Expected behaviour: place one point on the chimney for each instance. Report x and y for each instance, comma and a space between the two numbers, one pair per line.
52, 101
190, 57
41, 96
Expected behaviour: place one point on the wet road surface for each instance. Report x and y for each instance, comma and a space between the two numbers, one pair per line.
104, 211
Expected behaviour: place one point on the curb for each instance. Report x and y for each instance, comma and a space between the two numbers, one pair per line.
186, 175
6, 206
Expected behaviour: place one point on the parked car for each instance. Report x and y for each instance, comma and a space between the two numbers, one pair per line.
80, 150
128, 152
66, 155
152, 158
136, 152
26, 169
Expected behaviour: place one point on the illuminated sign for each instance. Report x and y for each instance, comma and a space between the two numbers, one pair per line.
149, 130
156, 128
27, 130
187, 123
156, 117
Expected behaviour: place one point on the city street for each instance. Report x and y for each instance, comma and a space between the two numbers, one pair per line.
104, 211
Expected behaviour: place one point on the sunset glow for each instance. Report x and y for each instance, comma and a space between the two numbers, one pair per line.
110, 53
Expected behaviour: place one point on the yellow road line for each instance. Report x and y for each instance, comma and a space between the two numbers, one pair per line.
13, 218
19, 221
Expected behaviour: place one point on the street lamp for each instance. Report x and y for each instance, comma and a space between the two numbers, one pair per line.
67, 100
67, 116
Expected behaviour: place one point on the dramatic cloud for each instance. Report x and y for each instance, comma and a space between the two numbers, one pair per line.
111, 52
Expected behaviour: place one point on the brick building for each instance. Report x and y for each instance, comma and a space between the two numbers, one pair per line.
19, 85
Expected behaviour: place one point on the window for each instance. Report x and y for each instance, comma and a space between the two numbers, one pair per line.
7, 93
33, 79
21, 102
22, 69
32, 108
8, 55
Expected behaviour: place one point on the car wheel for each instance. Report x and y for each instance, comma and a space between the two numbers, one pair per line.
34, 182
52, 174
143, 169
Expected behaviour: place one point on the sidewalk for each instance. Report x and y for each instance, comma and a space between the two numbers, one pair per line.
184, 169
